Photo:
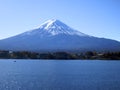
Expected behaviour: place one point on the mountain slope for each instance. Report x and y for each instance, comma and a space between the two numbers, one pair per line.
54, 35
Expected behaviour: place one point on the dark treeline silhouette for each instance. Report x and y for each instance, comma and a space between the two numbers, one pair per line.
59, 55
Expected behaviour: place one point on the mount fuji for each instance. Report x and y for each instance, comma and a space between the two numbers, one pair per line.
55, 36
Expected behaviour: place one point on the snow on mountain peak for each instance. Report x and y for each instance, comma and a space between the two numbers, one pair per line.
49, 24
54, 27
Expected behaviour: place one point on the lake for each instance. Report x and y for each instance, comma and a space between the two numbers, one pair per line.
59, 75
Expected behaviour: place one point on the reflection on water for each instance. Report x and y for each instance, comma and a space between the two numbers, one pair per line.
59, 75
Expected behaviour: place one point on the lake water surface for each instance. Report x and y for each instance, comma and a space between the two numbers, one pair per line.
59, 75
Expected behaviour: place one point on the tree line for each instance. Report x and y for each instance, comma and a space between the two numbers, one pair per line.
60, 55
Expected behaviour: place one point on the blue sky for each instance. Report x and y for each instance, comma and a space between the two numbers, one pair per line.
99, 18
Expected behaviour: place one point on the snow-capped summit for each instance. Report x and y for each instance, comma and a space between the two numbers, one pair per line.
54, 23
54, 27
55, 36
48, 24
